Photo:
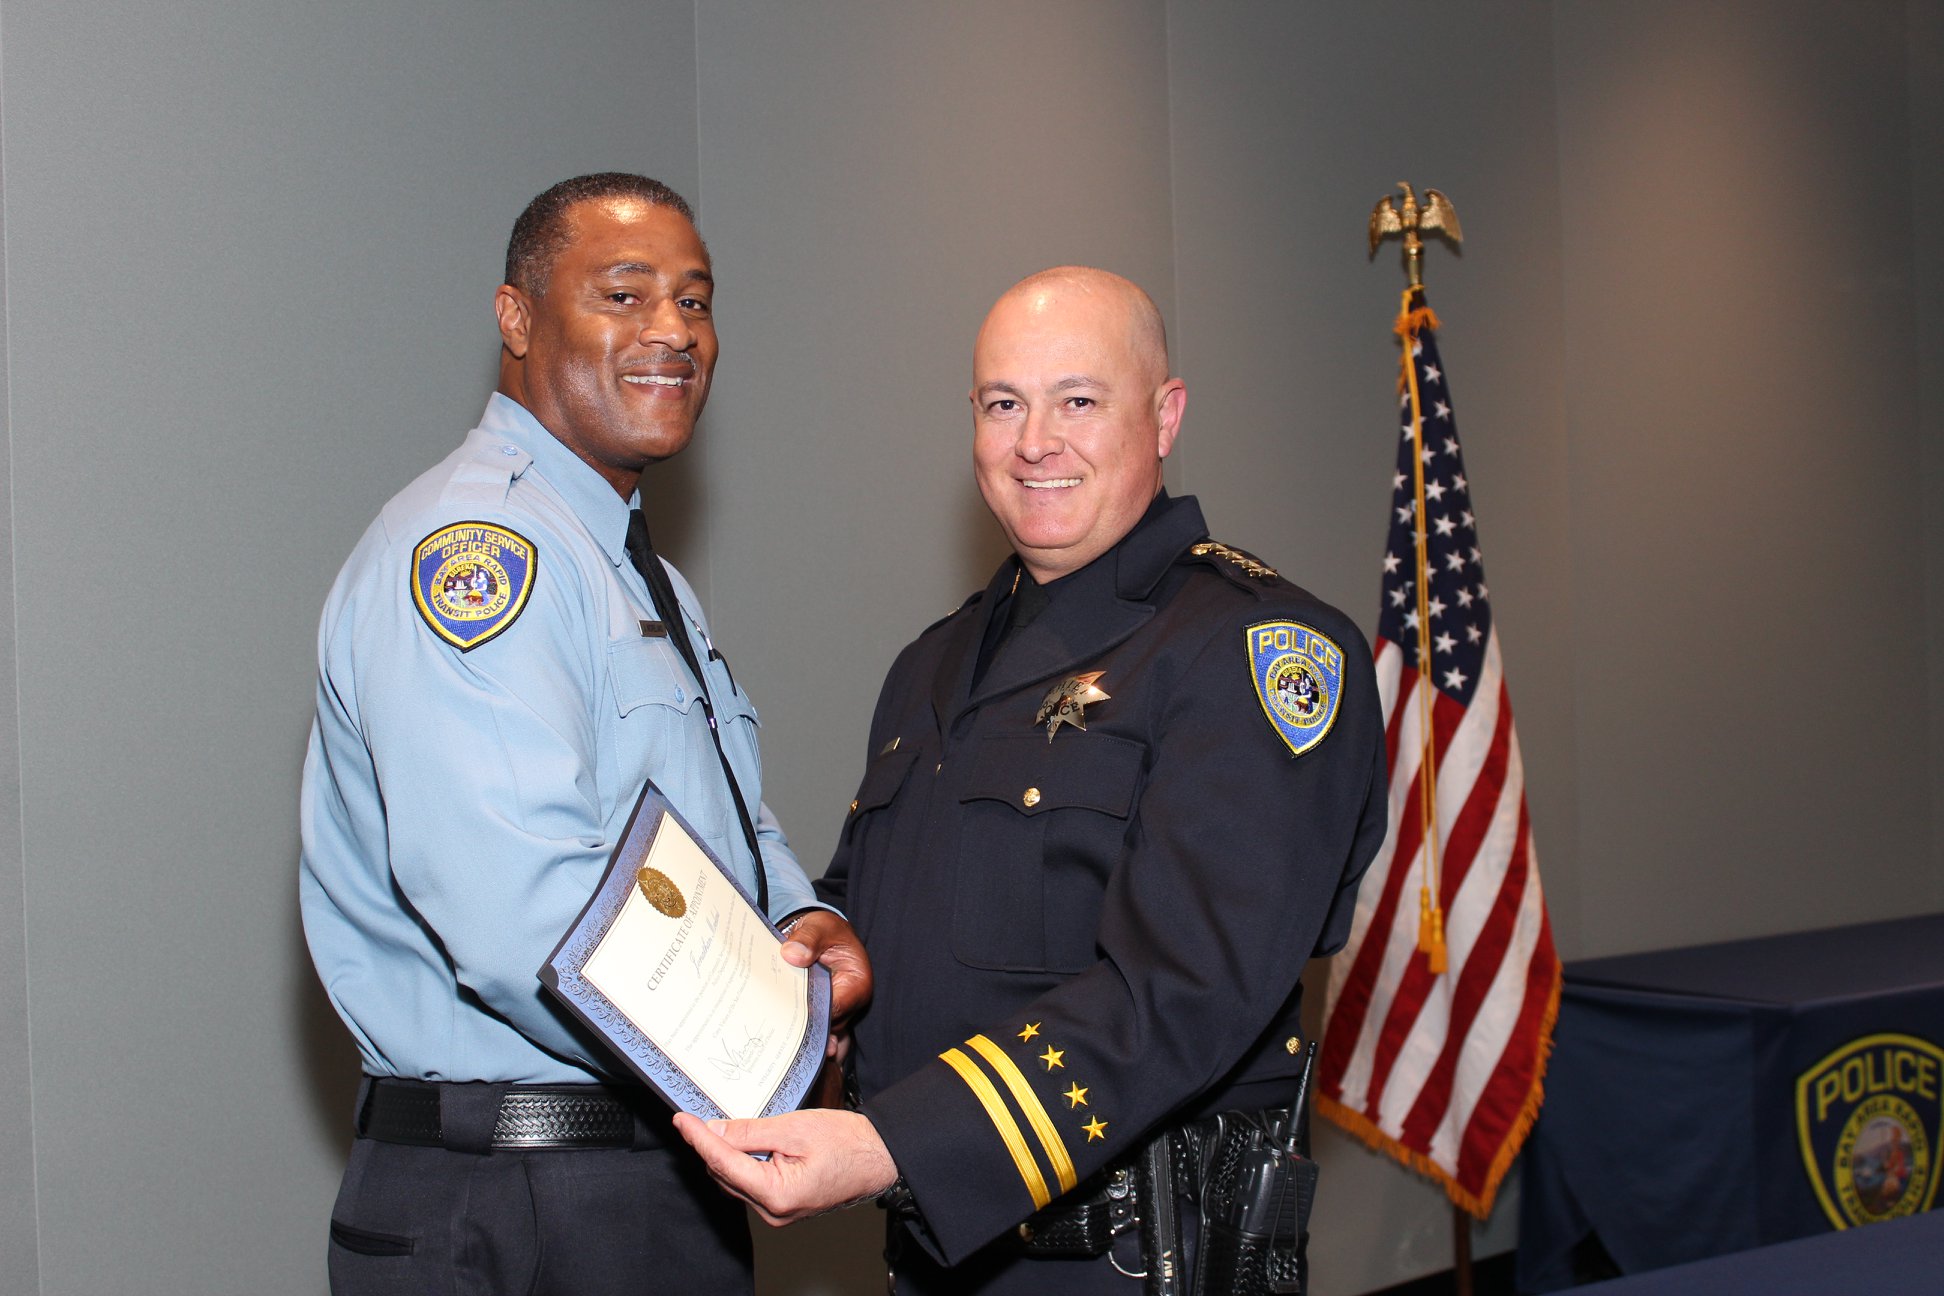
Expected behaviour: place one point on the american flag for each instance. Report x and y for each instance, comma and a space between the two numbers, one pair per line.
1441, 1067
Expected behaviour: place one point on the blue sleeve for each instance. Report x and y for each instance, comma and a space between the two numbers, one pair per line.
789, 888
486, 764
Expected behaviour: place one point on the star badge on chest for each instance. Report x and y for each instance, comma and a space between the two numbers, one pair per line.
1066, 702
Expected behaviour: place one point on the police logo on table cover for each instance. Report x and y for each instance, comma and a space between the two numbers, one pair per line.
1869, 1117
1298, 675
470, 581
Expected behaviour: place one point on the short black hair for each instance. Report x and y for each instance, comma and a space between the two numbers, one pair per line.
541, 232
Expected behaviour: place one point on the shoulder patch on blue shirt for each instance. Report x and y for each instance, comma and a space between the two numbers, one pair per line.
1298, 676
470, 581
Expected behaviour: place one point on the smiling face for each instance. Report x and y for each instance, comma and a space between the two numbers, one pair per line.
1072, 413
614, 357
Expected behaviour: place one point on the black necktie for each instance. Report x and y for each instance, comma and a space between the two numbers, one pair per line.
642, 551
1019, 609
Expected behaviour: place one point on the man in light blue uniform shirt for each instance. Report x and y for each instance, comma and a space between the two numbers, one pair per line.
497, 679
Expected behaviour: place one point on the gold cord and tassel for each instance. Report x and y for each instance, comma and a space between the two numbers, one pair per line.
1413, 315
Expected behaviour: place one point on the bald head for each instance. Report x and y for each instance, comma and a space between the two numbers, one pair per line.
1121, 305
1073, 411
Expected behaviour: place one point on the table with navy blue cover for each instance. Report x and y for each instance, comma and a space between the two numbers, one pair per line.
1670, 1125
1896, 1256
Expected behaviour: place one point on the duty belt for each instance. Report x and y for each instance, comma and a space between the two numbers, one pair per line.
479, 1117
1246, 1174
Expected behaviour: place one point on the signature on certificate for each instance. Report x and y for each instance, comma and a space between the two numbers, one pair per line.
738, 1060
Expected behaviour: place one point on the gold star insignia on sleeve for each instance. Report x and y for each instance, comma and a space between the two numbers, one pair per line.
1052, 1057
1096, 1129
1076, 1096
1032, 1029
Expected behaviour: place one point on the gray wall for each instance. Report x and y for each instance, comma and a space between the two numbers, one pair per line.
249, 252
1746, 480
1927, 193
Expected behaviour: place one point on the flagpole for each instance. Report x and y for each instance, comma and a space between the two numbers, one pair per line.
1435, 215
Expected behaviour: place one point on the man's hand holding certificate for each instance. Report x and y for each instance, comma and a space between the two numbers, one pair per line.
822, 938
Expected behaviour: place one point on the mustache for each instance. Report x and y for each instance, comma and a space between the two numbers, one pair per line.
663, 357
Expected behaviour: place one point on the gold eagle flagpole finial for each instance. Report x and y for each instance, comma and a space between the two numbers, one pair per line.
1435, 215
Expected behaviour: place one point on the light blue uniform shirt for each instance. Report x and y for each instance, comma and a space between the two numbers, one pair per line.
459, 808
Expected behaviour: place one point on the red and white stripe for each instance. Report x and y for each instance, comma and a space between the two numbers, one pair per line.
1444, 1071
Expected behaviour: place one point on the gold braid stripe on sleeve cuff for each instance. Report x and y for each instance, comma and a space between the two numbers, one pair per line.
1029, 1103
1002, 1120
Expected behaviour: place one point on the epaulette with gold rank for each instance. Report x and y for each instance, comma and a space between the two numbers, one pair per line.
1248, 562
974, 597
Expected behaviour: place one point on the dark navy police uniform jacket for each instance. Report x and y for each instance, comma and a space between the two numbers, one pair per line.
1080, 939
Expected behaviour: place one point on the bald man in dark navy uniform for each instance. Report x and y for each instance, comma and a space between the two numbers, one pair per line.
1110, 808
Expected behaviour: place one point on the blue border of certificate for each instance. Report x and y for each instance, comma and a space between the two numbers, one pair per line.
561, 974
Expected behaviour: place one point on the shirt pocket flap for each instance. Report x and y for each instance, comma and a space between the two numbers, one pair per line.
731, 704
883, 777
729, 701
645, 671
1082, 771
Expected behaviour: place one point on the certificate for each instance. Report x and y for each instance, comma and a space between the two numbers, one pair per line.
674, 967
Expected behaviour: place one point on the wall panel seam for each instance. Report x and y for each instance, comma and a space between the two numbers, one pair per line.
13, 615
1180, 341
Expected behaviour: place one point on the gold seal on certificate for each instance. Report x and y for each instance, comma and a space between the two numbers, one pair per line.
681, 975
659, 891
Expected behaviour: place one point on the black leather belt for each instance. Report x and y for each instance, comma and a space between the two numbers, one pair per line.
478, 1117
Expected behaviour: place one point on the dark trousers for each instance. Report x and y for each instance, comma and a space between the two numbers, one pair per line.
425, 1221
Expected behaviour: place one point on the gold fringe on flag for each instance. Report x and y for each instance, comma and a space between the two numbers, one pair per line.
1478, 1205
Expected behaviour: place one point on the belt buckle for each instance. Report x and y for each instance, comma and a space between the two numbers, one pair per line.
541, 1118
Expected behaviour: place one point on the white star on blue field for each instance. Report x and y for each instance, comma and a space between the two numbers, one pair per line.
1458, 603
